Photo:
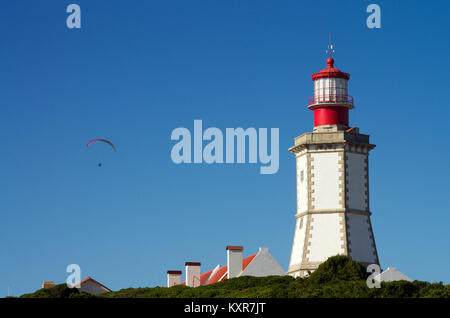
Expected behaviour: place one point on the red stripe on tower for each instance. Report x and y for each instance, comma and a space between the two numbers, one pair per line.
331, 115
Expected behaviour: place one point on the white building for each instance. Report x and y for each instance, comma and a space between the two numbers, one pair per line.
391, 275
90, 285
259, 264
333, 213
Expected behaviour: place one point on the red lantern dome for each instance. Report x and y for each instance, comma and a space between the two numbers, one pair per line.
330, 72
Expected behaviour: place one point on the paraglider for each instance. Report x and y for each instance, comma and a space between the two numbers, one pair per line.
105, 141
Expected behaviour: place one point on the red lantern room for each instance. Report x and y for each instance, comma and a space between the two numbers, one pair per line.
330, 102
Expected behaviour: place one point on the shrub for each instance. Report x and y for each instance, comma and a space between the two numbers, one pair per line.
58, 291
339, 276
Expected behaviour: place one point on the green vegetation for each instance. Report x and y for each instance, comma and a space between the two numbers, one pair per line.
59, 291
339, 276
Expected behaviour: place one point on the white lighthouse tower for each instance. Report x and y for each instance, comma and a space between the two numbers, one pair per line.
333, 213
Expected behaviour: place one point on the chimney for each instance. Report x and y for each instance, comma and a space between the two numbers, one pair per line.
173, 278
234, 260
192, 274
47, 285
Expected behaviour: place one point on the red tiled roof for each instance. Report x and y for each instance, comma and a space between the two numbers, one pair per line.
247, 261
204, 276
221, 273
217, 275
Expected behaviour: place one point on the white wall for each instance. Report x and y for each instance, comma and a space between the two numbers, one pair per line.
392, 275
327, 232
302, 186
326, 237
173, 279
234, 262
356, 181
326, 180
93, 288
299, 241
192, 275
263, 265
360, 238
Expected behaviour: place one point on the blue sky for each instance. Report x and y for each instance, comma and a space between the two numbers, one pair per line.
137, 70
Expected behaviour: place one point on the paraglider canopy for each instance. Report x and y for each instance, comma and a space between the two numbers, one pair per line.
103, 140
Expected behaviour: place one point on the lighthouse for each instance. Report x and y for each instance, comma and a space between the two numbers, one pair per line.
332, 163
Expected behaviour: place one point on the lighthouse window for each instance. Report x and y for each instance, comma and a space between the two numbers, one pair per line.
301, 223
301, 176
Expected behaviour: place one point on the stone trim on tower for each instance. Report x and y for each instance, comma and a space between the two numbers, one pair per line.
375, 252
309, 219
347, 211
342, 179
344, 239
309, 168
366, 161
